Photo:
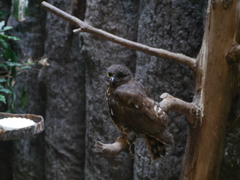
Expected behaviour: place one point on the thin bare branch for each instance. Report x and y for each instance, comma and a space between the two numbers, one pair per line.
84, 27
190, 110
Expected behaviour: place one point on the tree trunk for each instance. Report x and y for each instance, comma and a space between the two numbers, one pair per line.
214, 91
163, 25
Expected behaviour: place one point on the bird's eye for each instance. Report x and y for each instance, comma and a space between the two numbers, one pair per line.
109, 74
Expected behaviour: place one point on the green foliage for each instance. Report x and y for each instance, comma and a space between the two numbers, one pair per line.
3, 14
9, 67
24, 97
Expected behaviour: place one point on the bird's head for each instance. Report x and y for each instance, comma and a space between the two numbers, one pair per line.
118, 74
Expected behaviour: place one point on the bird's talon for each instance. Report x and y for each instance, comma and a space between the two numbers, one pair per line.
99, 147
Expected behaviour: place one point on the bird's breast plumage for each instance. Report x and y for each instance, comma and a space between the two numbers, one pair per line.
131, 106
133, 111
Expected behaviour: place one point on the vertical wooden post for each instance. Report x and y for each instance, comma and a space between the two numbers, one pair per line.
215, 83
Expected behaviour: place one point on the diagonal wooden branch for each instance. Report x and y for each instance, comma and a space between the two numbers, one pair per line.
190, 110
84, 27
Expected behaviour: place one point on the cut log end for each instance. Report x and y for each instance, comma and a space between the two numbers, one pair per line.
8, 133
190, 110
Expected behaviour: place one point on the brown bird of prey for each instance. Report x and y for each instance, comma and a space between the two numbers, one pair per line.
134, 112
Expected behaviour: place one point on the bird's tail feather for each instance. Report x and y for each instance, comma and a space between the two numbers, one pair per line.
165, 137
156, 149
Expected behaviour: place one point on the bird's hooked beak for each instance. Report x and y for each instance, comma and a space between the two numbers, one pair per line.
111, 80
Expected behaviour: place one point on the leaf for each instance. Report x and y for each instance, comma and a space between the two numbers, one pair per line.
2, 98
12, 37
14, 97
29, 64
15, 8
3, 14
11, 64
9, 54
2, 23
3, 80
3, 42
6, 28
6, 91
24, 98
4, 66
25, 67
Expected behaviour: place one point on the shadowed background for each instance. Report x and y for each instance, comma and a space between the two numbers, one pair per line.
70, 93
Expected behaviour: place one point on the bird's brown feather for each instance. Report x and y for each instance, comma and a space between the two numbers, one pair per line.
132, 109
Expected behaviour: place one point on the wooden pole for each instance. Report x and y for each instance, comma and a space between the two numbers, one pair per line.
214, 90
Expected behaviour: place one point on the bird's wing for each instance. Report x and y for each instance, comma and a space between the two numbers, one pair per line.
132, 106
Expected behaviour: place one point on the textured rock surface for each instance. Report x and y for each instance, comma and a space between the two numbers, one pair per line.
26, 160
57, 92
120, 18
5, 146
231, 158
70, 93
65, 105
173, 26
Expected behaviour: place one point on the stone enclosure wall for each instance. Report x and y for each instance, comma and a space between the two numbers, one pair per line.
69, 93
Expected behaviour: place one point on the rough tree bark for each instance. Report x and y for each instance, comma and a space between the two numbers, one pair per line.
215, 86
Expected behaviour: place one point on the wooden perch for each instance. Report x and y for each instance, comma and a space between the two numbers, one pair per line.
190, 110
111, 150
84, 27
233, 55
